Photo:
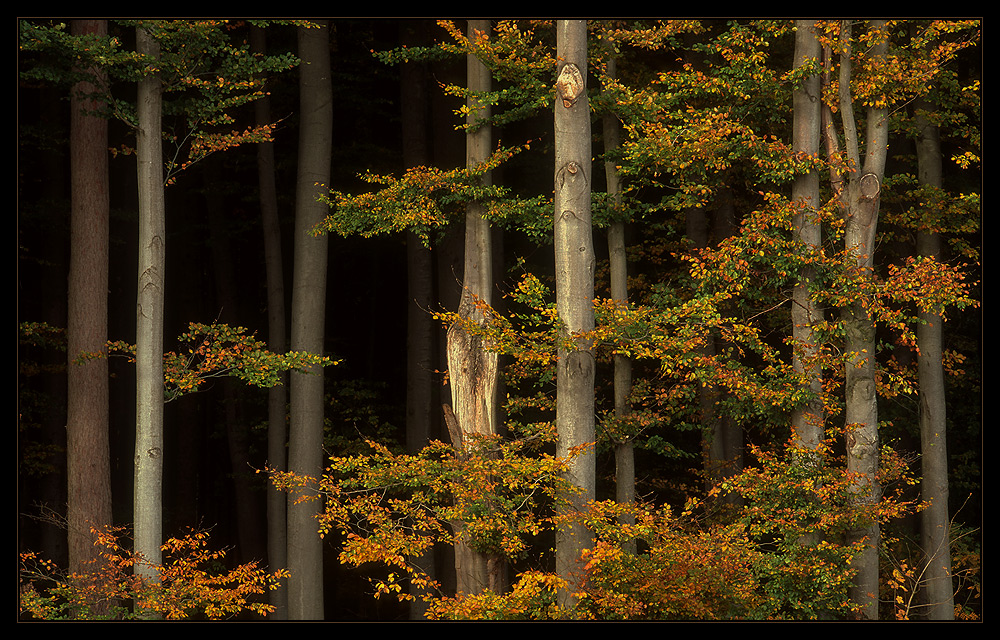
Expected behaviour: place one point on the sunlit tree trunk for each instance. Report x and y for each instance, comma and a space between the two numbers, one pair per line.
807, 419
861, 201
148, 491
87, 445
277, 432
305, 447
575, 263
935, 523
473, 369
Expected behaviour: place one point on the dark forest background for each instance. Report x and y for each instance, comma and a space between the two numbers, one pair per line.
213, 219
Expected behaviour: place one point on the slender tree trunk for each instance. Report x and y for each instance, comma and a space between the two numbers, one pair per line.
727, 429
472, 367
713, 438
722, 437
87, 445
277, 432
574, 261
305, 455
861, 198
148, 496
625, 445
248, 513
420, 280
807, 420
420, 343
935, 523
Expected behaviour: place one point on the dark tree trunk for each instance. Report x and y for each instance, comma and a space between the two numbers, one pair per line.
87, 445
420, 330
277, 396
305, 450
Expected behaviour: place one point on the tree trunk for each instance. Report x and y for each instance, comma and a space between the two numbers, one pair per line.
277, 436
87, 445
575, 263
420, 343
305, 452
420, 276
618, 259
861, 199
248, 514
472, 368
935, 523
807, 419
148, 492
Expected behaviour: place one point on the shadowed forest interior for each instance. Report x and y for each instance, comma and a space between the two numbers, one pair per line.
731, 400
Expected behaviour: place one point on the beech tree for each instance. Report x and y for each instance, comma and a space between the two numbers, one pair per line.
807, 420
306, 410
168, 60
277, 431
575, 265
147, 508
472, 366
760, 299
935, 522
204, 112
623, 443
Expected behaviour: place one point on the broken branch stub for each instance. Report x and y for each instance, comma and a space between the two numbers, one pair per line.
569, 84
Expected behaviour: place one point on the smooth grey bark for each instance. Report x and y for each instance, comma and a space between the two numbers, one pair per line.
807, 419
305, 447
148, 491
618, 266
277, 396
574, 272
935, 522
860, 198
473, 369
87, 446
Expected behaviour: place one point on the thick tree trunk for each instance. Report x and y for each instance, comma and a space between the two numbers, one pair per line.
575, 263
277, 431
861, 199
305, 451
935, 523
148, 492
807, 420
472, 368
87, 445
